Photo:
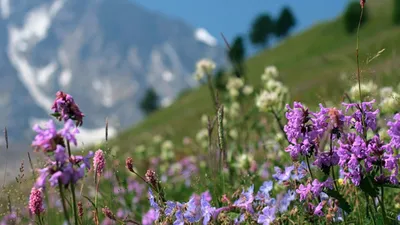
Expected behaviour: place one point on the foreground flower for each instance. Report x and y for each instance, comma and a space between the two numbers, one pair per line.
48, 138
267, 216
36, 201
65, 108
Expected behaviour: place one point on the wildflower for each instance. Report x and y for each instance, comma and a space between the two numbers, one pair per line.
303, 191
240, 219
248, 90
394, 131
36, 201
129, 164
233, 133
204, 67
48, 138
283, 175
150, 217
267, 216
286, 200
107, 212
99, 161
367, 90
270, 72
364, 111
206, 210
246, 198
300, 171
10, 219
65, 108
318, 210
362, 3
80, 209
266, 100
193, 212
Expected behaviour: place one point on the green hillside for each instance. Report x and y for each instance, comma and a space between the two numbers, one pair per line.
310, 64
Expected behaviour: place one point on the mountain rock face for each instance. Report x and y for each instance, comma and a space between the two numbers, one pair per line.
105, 53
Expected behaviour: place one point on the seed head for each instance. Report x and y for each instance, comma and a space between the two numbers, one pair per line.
107, 212
129, 164
151, 177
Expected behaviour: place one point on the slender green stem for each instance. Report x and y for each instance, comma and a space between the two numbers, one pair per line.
369, 208
74, 203
63, 202
212, 91
382, 200
357, 55
309, 168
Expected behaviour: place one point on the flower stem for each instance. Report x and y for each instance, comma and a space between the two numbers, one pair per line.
309, 168
63, 202
357, 55
74, 203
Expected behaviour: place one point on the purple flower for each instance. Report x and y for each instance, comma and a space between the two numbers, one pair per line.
282, 176
67, 109
300, 172
169, 210
240, 219
263, 193
193, 211
365, 110
153, 203
69, 132
394, 131
9, 219
326, 159
303, 191
45, 137
246, 199
267, 216
206, 210
316, 187
318, 210
150, 217
284, 203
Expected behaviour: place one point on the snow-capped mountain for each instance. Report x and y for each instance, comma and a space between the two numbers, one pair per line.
105, 53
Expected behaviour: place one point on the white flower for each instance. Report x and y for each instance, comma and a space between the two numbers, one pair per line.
386, 92
167, 145
270, 72
234, 110
234, 83
140, 149
204, 119
202, 135
234, 93
233, 134
390, 103
247, 90
266, 99
203, 67
157, 139
367, 90
273, 85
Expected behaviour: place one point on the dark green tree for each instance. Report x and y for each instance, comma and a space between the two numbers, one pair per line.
220, 80
396, 12
261, 30
285, 22
150, 101
352, 16
236, 55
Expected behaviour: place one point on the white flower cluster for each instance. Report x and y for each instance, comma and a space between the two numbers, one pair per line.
234, 86
204, 67
167, 148
202, 138
274, 91
369, 89
389, 100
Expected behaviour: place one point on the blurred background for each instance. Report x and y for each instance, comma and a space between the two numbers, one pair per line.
125, 59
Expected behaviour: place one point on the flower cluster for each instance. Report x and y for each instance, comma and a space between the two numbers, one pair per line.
260, 207
273, 92
203, 68
234, 86
65, 108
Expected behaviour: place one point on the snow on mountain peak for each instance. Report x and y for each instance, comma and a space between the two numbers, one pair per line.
204, 36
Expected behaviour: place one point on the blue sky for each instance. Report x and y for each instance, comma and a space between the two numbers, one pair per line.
233, 17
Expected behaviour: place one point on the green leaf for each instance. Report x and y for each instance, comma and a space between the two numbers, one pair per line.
343, 204
367, 186
94, 205
56, 114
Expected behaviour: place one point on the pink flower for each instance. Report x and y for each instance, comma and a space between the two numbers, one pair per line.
36, 201
65, 108
99, 161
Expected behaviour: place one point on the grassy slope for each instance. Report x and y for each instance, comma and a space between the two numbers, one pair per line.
310, 63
